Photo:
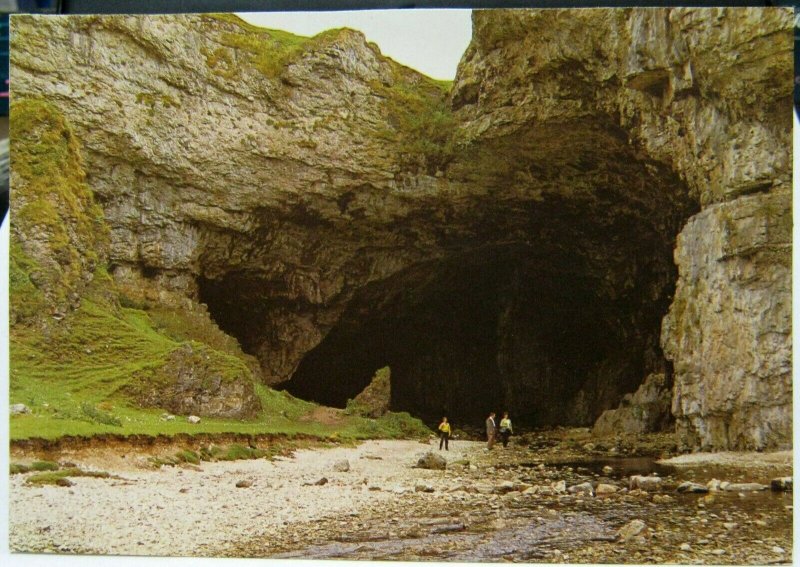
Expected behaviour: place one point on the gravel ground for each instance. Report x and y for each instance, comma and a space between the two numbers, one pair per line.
198, 510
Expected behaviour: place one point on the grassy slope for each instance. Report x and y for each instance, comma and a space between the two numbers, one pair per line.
75, 374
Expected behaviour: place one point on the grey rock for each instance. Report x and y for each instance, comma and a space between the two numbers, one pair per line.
583, 488
19, 409
341, 466
631, 529
604, 488
422, 487
432, 461
743, 487
193, 419
648, 483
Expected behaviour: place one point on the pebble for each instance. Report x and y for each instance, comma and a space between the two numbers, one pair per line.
777, 549
718, 552
686, 547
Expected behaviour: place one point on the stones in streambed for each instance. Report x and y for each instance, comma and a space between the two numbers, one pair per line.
607, 469
781, 484
632, 529
19, 409
648, 483
341, 466
193, 419
244, 484
432, 461
692, 487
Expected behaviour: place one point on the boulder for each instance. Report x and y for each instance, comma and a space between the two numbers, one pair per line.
781, 484
559, 487
631, 529
648, 483
341, 466
583, 488
193, 419
432, 461
604, 488
644, 411
19, 409
373, 400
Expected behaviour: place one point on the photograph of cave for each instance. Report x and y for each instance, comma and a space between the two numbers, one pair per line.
281, 287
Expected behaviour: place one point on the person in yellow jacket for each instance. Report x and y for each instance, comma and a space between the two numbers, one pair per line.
505, 429
444, 434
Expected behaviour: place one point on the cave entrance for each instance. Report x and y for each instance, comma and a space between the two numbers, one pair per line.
498, 328
541, 294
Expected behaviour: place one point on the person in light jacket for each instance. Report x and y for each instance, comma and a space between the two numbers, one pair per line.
444, 434
505, 429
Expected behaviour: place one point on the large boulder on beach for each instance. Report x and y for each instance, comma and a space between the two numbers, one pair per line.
432, 461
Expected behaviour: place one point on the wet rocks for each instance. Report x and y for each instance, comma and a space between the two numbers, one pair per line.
692, 487
433, 461
781, 484
647, 483
742, 487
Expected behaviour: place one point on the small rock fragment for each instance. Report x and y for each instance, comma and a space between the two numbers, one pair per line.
244, 484
686, 547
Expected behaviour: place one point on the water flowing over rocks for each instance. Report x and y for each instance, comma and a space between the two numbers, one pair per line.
606, 198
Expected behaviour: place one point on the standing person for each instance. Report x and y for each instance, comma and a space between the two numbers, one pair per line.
444, 434
505, 429
491, 431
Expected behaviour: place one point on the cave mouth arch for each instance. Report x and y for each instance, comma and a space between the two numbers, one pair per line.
538, 287
490, 329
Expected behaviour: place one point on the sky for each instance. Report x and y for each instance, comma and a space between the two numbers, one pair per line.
430, 41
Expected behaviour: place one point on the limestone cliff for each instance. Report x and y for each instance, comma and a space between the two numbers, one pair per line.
507, 244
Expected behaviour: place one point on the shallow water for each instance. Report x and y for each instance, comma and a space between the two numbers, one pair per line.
524, 529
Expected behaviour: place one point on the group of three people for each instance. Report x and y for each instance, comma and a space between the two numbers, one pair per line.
491, 431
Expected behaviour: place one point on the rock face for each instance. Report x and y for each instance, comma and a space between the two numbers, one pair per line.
373, 401
509, 244
644, 411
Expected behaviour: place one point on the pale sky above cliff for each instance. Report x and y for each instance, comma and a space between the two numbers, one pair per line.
430, 41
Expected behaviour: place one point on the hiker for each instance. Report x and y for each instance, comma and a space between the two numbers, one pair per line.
444, 434
505, 429
491, 431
